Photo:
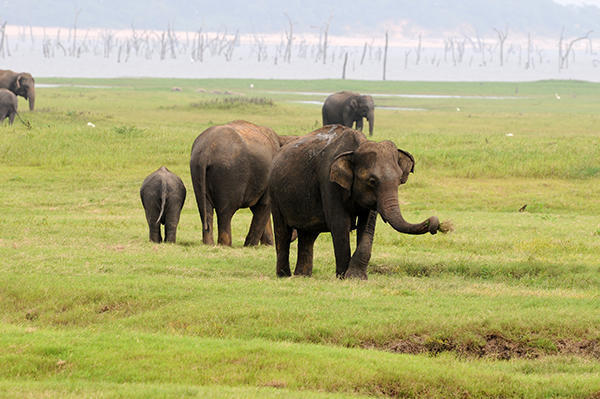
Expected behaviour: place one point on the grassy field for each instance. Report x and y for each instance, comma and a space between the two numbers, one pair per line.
507, 305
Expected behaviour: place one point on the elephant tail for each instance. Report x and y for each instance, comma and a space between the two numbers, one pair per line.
202, 198
163, 199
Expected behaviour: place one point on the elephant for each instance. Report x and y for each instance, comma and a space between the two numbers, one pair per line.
8, 106
163, 195
22, 84
346, 107
335, 180
230, 166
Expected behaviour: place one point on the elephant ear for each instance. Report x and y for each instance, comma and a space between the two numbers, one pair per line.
354, 104
341, 171
18, 81
407, 163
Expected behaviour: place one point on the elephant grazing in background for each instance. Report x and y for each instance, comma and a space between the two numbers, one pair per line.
334, 179
163, 195
22, 84
346, 107
8, 106
230, 167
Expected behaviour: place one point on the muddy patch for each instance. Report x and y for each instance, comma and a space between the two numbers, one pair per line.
493, 346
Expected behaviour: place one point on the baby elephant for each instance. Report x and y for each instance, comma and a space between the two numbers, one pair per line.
8, 105
163, 196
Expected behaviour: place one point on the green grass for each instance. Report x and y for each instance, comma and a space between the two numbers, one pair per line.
505, 306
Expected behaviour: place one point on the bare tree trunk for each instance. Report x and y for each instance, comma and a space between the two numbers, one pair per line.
419, 48
74, 45
385, 54
501, 38
344, 68
364, 53
287, 56
325, 43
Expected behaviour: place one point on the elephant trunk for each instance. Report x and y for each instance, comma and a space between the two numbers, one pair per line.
388, 208
371, 119
31, 98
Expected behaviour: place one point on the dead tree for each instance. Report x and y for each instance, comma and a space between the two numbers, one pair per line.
364, 53
564, 51
406, 54
74, 45
529, 63
501, 38
344, 67
3, 39
385, 54
418, 51
326, 31
289, 36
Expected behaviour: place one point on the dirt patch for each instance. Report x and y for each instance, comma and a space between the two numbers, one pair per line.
493, 346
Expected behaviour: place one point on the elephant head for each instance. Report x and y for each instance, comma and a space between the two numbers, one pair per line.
364, 107
24, 86
372, 174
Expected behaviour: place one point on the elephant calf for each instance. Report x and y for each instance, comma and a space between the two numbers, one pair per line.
230, 167
346, 108
8, 106
163, 196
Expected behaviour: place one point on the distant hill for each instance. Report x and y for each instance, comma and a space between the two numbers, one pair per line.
538, 16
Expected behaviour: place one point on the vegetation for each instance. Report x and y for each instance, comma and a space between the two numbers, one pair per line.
505, 306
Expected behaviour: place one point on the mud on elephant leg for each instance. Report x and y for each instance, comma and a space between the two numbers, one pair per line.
304, 263
207, 234
364, 237
340, 233
267, 237
283, 238
260, 218
224, 226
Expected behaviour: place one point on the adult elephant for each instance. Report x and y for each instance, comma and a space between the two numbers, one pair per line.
346, 107
20, 83
230, 167
334, 179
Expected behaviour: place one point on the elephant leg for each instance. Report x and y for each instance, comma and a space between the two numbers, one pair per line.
171, 222
155, 235
359, 124
364, 243
267, 237
304, 263
340, 233
283, 238
11, 118
224, 226
260, 219
207, 235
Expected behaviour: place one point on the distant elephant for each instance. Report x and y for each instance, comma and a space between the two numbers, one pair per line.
8, 106
230, 166
163, 195
335, 180
346, 107
22, 84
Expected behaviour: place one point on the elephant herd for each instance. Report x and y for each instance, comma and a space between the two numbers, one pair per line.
13, 84
331, 180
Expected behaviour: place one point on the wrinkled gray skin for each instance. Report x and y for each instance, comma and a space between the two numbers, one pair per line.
346, 108
8, 106
230, 165
335, 180
163, 196
22, 84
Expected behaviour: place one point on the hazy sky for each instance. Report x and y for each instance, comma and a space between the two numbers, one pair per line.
579, 2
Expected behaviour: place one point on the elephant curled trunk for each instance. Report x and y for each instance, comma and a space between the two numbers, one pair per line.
389, 210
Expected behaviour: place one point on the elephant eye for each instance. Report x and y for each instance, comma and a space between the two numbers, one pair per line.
373, 181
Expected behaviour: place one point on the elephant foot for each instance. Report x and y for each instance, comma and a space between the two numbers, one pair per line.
354, 272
